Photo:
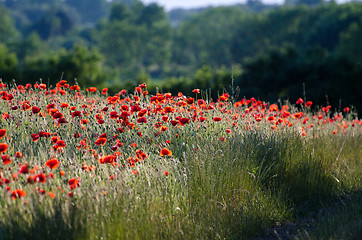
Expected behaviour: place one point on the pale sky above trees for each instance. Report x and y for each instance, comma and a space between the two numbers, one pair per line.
169, 4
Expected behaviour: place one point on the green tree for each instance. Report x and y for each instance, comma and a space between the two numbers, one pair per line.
54, 22
350, 42
7, 29
206, 38
90, 11
8, 64
78, 63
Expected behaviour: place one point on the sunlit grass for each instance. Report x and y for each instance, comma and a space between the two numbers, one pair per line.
227, 178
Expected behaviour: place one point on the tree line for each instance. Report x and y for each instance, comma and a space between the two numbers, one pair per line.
271, 52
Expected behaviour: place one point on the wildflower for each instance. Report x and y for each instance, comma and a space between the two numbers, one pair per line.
190, 101
217, 119
3, 147
35, 137
167, 173
196, 91
73, 183
84, 121
18, 193
2, 133
107, 159
52, 163
44, 134
298, 115
35, 109
142, 120
52, 195
166, 152
6, 159
24, 169
91, 89
183, 121
101, 141
271, 118
76, 114
346, 109
308, 104
40, 178
75, 88
299, 101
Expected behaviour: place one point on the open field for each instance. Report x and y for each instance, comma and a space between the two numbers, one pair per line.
84, 165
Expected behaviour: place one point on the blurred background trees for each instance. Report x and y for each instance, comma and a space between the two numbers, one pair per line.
270, 52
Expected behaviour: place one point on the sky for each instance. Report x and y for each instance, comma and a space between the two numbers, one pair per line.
170, 4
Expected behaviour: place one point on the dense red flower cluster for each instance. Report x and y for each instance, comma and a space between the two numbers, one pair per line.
95, 130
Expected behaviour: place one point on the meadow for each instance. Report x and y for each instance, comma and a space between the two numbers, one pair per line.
83, 164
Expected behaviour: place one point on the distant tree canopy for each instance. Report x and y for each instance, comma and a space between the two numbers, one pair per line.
7, 27
269, 51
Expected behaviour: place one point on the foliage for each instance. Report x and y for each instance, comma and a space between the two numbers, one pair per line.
279, 51
78, 64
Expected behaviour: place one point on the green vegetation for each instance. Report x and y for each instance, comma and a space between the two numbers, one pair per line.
270, 51
230, 170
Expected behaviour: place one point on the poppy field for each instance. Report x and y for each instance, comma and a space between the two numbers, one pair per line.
84, 164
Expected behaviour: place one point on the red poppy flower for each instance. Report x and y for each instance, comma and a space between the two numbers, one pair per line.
169, 109
196, 90
44, 134
3, 147
75, 88
52, 163
346, 109
190, 101
73, 183
35, 109
174, 122
6, 159
104, 91
92, 89
107, 159
19, 155
84, 121
18, 193
202, 119
62, 120
142, 120
2, 133
52, 195
24, 169
35, 137
217, 119
76, 114
167, 173
308, 104
100, 141
183, 121
298, 115
114, 115
299, 101
40, 178
166, 152
271, 118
